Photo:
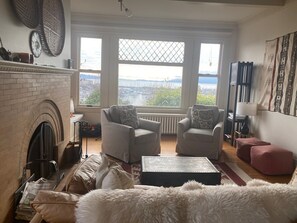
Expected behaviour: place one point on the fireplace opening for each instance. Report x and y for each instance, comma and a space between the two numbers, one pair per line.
41, 154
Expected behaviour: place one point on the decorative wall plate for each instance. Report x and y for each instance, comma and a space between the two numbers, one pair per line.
52, 26
35, 43
27, 11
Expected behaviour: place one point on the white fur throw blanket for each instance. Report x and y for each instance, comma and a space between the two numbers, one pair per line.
258, 202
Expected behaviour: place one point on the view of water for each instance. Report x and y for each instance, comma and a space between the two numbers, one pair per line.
140, 91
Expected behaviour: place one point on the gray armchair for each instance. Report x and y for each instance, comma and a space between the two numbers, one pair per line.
200, 142
125, 142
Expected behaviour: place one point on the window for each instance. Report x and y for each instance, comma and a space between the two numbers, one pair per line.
208, 73
150, 72
90, 71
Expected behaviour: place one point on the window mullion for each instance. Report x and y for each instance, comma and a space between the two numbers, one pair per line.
90, 71
150, 63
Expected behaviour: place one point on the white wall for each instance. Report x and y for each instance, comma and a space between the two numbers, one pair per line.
15, 35
274, 127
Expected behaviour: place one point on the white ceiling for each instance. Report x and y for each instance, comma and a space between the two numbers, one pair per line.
196, 10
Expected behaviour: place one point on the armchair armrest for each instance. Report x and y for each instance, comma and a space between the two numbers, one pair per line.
110, 128
149, 125
184, 125
218, 135
122, 131
217, 129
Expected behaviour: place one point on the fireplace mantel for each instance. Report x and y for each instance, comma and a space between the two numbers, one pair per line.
8, 66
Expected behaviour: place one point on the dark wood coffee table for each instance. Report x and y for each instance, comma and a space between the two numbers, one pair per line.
176, 170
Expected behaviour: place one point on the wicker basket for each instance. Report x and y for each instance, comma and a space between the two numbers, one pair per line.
52, 26
27, 11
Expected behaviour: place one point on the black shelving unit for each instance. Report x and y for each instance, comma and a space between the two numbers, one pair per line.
239, 90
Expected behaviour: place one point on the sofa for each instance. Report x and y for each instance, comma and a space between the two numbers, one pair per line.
119, 200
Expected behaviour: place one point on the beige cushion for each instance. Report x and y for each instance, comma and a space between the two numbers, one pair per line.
110, 175
55, 207
203, 135
145, 136
83, 179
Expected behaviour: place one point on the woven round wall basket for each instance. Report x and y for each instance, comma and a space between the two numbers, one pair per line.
52, 25
27, 11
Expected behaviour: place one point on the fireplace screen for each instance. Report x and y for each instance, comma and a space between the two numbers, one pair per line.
41, 151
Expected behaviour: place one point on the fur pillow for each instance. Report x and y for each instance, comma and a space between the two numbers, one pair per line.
110, 175
55, 207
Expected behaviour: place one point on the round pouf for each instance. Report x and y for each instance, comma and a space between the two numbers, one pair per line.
243, 147
272, 160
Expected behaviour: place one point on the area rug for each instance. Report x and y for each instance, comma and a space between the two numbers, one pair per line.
230, 173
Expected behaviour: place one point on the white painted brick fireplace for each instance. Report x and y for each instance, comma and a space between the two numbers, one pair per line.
29, 96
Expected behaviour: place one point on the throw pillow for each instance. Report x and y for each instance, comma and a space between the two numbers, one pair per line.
110, 175
129, 117
202, 118
215, 109
83, 179
102, 170
117, 178
56, 207
115, 111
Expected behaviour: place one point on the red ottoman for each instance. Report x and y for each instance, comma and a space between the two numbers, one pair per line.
272, 160
243, 147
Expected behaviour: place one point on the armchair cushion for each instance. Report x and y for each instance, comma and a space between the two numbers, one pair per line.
143, 136
203, 135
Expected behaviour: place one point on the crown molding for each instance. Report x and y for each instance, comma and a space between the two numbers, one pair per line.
241, 2
151, 23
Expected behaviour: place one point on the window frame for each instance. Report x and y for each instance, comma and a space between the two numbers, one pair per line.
153, 38
109, 75
219, 72
92, 71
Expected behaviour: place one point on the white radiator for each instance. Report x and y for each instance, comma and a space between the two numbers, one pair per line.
168, 121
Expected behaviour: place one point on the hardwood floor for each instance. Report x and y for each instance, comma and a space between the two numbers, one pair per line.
168, 143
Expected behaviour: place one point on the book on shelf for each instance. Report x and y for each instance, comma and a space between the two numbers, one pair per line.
238, 117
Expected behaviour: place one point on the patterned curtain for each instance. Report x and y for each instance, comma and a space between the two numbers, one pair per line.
279, 84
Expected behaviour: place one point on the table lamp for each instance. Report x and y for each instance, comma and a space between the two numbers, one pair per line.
71, 107
247, 109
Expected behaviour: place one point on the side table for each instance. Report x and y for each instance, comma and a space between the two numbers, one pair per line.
75, 128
